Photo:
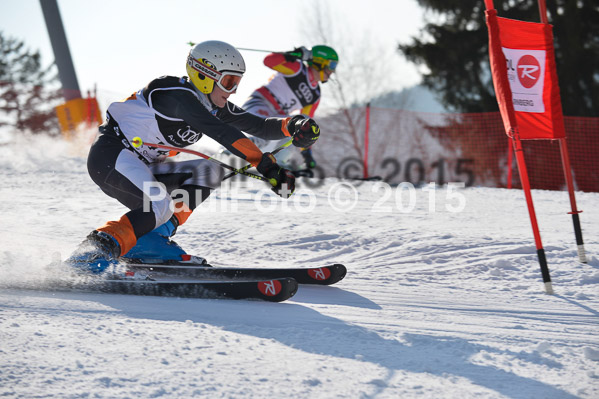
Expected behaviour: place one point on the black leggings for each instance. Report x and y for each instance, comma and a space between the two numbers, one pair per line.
148, 190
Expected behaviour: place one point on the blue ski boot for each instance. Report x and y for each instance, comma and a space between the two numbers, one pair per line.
156, 247
95, 254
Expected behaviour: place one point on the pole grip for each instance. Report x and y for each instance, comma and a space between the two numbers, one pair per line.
246, 167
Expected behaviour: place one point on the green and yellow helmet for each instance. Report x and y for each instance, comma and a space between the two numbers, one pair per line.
324, 57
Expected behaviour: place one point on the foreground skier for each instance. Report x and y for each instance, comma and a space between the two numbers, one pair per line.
177, 111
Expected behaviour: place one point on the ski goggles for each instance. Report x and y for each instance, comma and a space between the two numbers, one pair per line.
332, 65
227, 81
323, 64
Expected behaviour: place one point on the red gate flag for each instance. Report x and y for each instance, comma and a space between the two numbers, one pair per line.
525, 78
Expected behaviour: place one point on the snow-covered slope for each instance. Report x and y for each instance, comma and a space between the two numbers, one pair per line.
444, 300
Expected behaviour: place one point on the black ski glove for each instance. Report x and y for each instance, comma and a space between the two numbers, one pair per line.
282, 180
304, 130
299, 53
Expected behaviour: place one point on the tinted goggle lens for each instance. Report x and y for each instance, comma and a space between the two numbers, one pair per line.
332, 65
229, 82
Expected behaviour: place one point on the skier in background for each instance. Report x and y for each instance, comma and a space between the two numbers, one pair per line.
177, 111
294, 88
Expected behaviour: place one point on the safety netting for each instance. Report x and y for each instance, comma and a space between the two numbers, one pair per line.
418, 147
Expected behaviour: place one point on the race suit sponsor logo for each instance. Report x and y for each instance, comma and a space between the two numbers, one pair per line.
306, 93
188, 135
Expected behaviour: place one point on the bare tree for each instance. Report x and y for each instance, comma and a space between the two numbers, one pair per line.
364, 72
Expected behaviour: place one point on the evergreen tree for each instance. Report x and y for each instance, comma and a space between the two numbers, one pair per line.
28, 92
453, 48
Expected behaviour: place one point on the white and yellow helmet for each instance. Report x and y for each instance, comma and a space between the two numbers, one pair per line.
215, 62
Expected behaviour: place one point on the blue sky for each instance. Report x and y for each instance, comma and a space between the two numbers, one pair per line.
120, 45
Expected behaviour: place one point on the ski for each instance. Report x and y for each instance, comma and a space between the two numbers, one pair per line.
147, 284
325, 275
275, 290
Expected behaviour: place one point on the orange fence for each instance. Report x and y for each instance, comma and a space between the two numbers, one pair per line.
421, 147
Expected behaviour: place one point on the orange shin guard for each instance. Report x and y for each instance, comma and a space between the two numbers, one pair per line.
182, 212
122, 231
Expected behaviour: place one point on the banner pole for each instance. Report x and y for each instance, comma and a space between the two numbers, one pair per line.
510, 160
563, 147
366, 140
575, 218
503, 93
531, 211
542, 11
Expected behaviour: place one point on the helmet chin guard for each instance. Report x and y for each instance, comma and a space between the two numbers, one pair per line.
213, 62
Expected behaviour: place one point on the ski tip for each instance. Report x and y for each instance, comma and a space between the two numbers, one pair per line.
338, 273
326, 275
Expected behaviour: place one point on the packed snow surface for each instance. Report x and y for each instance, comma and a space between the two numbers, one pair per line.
443, 297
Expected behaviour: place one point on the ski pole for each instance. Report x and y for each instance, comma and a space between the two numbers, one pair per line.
299, 55
248, 49
249, 165
138, 142
257, 49
243, 48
